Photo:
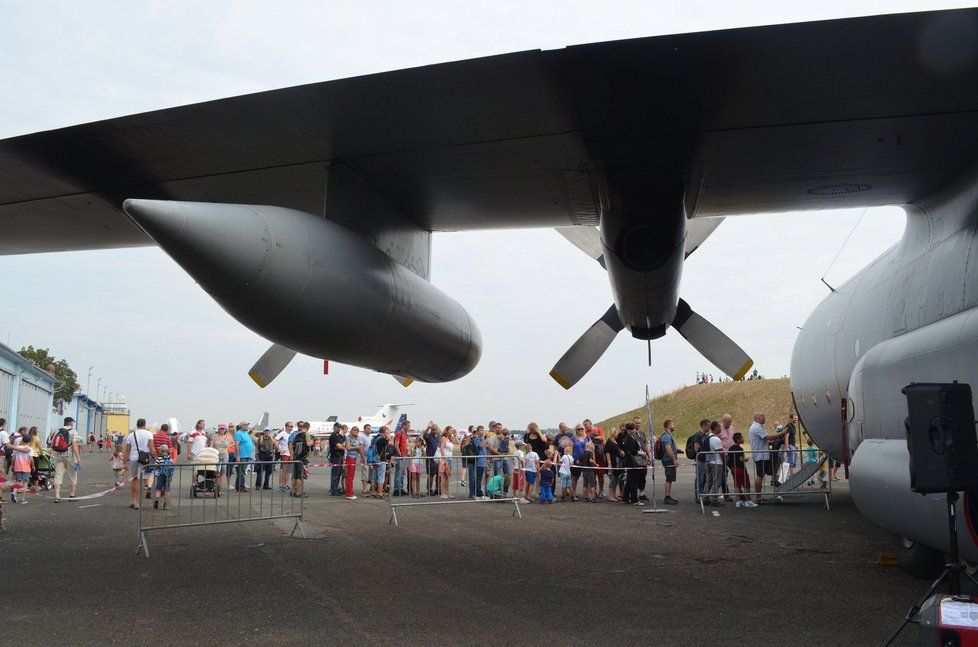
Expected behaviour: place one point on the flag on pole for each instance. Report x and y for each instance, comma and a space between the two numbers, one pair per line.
648, 414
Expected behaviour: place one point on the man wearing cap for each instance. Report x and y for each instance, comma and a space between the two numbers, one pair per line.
245, 454
336, 456
67, 461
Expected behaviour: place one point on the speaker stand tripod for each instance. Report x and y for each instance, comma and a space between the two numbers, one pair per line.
951, 573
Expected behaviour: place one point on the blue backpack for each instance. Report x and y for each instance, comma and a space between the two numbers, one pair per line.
372, 451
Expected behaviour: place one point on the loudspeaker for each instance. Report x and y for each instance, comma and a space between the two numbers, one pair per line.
941, 437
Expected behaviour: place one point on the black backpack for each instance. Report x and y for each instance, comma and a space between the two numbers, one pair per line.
690, 448
299, 446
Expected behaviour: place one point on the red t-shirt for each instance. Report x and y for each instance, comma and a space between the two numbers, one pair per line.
161, 438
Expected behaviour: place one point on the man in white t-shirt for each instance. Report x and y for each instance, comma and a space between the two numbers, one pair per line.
196, 441
284, 455
139, 440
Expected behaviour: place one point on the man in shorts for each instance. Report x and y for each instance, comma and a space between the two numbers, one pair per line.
284, 455
669, 460
300, 453
759, 440
67, 462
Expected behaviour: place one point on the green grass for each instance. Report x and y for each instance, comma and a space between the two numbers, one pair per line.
687, 406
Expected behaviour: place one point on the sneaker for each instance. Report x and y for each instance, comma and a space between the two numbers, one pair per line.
740, 504
749, 504
462, 482
13, 496
524, 500
351, 498
156, 504
484, 498
643, 498
670, 501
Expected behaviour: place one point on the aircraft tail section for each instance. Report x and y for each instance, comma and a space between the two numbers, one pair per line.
400, 422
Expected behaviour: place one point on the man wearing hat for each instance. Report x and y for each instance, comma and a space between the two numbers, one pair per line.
336, 456
245, 454
68, 460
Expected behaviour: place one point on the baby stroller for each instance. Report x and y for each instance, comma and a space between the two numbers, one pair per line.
205, 473
44, 467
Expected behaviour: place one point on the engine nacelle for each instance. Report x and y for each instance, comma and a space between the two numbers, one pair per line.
314, 286
879, 480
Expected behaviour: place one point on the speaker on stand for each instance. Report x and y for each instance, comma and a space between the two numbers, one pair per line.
943, 447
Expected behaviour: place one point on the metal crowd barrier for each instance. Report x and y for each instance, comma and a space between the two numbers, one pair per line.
199, 497
461, 471
796, 477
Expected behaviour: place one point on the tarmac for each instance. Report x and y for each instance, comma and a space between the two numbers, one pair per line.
570, 573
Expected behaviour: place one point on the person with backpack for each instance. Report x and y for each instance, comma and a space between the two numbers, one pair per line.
694, 445
299, 450
400, 450
67, 458
670, 456
376, 456
336, 455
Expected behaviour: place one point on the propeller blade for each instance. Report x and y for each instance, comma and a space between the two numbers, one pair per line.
270, 365
587, 350
403, 381
711, 343
586, 239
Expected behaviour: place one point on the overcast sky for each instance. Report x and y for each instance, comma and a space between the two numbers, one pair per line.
155, 337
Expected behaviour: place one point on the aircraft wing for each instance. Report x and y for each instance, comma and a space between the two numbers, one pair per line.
856, 112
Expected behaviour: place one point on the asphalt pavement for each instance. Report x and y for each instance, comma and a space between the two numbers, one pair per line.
470, 574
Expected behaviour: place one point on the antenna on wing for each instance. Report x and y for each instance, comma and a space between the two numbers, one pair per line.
844, 243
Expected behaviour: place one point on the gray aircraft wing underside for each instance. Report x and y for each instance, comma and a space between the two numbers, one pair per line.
845, 113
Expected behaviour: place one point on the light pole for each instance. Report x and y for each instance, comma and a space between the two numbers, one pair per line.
98, 386
88, 385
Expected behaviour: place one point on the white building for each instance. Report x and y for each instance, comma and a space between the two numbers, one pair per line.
26, 393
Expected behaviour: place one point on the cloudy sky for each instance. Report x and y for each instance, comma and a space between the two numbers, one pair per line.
160, 341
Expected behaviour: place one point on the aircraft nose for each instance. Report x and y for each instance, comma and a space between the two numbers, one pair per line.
223, 247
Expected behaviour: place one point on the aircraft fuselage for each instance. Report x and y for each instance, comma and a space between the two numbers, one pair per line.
911, 316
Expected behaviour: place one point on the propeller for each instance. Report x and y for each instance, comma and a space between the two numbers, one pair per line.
706, 338
712, 344
587, 350
269, 365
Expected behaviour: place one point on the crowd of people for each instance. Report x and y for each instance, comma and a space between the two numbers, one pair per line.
580, 463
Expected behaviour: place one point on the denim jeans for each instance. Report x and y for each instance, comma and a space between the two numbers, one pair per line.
336, 476
476, 477
700, 484
398, 485
239, 482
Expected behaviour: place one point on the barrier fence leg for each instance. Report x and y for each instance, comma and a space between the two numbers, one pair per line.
142, 544
516, 511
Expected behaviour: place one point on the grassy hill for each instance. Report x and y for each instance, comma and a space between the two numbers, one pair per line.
689, 405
